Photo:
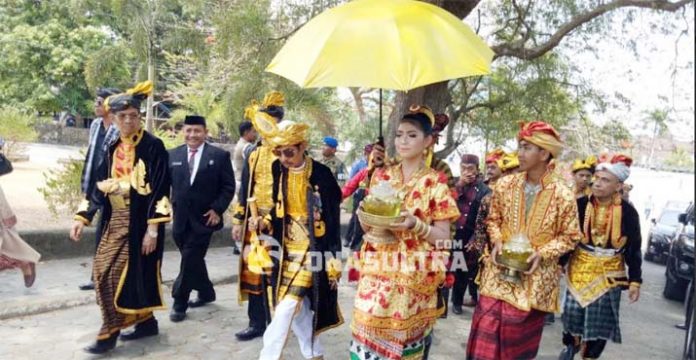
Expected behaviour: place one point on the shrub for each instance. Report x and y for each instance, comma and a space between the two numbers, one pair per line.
62, 191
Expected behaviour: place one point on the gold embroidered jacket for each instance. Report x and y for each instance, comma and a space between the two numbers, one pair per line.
552, 228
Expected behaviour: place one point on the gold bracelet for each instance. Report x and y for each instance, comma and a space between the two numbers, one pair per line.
634, 284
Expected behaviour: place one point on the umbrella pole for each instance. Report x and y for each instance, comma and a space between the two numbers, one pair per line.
380, 140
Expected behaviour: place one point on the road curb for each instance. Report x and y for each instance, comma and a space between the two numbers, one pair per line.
31, 305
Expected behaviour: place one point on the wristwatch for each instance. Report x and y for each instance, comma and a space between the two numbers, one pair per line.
152, 233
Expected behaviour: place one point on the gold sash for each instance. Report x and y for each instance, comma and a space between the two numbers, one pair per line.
591, 275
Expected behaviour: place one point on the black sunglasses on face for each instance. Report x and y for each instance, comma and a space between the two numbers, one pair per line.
288, 153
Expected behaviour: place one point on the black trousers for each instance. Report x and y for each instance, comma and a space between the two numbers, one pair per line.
593, 349
465, 280
193, 273
256, 310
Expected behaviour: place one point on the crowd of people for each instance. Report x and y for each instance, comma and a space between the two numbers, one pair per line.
451, 232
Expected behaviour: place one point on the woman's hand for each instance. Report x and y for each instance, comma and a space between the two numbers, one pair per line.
408, 223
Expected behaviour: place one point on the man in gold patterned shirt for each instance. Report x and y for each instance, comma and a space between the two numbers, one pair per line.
607, 261
535, 203
257, 183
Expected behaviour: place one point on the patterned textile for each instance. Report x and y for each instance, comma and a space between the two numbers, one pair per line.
599, 320
9, 263
394, 307
551, 226
369, 349
110, 263
296, 277
499, 331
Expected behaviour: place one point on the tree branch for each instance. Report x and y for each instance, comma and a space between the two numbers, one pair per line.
518, 50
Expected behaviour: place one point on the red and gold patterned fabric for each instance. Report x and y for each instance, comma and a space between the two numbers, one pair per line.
552, 228
392, 306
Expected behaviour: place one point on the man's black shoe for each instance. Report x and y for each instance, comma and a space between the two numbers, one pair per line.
199, 302
87, 286
680, 326
177, 316
249, 334
236, 251
102, 346
144, 329
457, 309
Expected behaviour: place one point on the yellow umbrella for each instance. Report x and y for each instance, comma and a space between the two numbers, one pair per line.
386, 44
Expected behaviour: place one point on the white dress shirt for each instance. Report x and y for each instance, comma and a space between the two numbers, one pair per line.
196, 160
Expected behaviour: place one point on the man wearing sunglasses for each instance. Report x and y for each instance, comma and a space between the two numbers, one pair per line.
257, 183
102, 133
306, 215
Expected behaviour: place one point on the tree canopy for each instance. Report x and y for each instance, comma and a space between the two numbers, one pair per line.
209, 58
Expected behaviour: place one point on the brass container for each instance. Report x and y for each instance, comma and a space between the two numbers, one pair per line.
379, 232
513, 257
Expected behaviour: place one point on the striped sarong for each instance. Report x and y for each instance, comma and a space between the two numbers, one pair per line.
109, 264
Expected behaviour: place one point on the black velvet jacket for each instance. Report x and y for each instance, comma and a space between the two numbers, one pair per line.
141, 289
630, 228
324, 300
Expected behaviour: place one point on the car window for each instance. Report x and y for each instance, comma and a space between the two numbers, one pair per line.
669, 218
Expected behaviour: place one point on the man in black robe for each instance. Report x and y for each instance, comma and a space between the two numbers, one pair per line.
127, 264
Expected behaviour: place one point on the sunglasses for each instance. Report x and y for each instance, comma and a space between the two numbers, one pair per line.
288, 152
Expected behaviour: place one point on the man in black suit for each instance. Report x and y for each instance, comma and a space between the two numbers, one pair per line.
202, 188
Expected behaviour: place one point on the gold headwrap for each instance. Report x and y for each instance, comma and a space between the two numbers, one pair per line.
509, 161
585, 164
132, 97
542, 135
273, 98
290, 133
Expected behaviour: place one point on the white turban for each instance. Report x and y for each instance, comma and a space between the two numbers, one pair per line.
619, 165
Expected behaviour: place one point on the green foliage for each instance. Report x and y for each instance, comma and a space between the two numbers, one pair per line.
44, 54
680, 159
62, 191
16, 126
108, 67
170, 139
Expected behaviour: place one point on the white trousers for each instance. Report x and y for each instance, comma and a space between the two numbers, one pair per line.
286, 316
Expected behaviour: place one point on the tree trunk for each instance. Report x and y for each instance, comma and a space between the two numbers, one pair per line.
436, 96
149, 120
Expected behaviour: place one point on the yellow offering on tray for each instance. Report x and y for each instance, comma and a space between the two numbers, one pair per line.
513, 257
380, 209
383, 200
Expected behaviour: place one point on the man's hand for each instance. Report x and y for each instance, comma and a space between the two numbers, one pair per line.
633, 293
256, 224
149, 244
470, 246
10, 222
76, 230
213, 218
237, 232
534, 259
333, 284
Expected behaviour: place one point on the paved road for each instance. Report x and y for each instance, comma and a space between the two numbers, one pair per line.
648, 329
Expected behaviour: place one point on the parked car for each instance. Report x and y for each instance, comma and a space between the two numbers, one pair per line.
680, 263
661, 234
